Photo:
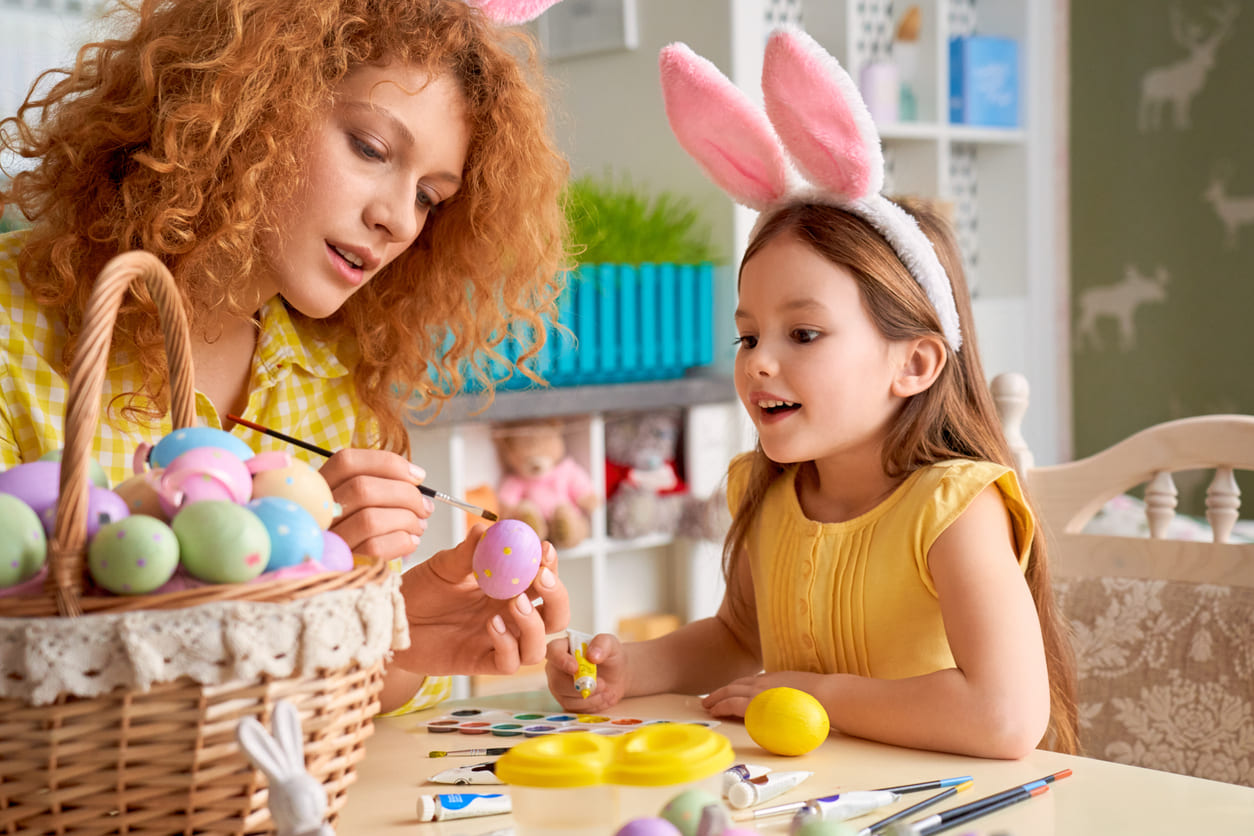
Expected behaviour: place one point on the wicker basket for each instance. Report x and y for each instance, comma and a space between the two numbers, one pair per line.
161, 756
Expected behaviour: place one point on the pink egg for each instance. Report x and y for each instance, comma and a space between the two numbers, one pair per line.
648, 827
507, 558
204, 474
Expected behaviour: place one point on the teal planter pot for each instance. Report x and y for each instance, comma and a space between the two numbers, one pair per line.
625, 323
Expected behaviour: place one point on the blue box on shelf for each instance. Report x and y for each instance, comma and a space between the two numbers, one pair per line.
984, 81
621, 323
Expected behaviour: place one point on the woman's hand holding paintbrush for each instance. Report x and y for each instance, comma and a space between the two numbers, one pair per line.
382, 516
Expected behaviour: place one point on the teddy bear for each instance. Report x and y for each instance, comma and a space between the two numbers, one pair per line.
542, 485
643, 489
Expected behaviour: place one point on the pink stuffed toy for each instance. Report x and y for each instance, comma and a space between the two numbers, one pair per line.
542, 485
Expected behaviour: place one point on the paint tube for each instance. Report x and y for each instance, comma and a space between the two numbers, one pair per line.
461, 806
763, 788
586, 676
479, 773
738, 772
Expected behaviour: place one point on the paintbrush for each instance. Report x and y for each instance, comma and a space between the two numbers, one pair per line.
322, 451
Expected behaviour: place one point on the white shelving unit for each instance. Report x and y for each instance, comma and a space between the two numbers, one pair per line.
999, 181
608, 578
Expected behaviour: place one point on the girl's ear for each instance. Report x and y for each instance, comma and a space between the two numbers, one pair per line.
820, 116
923, 360
723, 131
513, 12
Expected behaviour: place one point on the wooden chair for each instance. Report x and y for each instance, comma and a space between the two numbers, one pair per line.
1163, 629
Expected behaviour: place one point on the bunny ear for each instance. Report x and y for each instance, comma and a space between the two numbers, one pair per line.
287, 731
726, 133
512, 12
261, 748
820, 116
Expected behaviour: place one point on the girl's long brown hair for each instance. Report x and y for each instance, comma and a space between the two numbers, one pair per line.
954, 418
183, 136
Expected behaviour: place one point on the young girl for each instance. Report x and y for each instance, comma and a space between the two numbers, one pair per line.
355, 197
882, 556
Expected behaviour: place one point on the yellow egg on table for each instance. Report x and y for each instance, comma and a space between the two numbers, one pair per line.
786, 721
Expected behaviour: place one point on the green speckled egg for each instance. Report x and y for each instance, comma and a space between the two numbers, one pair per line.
23, 544
133, 556
817, 827
95, 471
221, 542
684, 810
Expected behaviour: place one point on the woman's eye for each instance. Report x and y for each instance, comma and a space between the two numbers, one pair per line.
805, 335
365, 149
745, 342
426, 200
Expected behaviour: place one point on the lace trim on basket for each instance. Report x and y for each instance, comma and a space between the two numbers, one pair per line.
43, 658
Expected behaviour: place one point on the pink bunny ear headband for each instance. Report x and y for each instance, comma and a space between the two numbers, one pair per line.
511, 12
815, 143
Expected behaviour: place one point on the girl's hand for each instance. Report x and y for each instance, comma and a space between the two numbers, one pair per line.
384, 514
608, 654
454, 628
732, 700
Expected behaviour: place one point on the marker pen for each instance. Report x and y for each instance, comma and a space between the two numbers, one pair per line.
763, 788
586, 676
839, 807
461, 806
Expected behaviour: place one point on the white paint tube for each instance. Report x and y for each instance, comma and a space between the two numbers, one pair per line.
461, 805
764, 788
738, 772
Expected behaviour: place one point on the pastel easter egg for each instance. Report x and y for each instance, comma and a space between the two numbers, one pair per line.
178, 442
23, 544
133, 556
336, 555
507, 558
221, 542
303, 485
294, 534
35, 483
815, 826
648, 827
684, 810
95, 470
103, 507
139, 492
204, 473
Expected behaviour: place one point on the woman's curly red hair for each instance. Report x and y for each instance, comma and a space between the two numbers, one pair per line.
184, 136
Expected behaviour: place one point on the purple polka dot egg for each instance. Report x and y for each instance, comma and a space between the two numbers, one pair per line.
133, 556
507, 558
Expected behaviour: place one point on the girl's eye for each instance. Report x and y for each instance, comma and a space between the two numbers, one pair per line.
365, 149
745, 342
805, 335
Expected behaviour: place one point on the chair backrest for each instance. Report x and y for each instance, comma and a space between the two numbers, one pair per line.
1163, 628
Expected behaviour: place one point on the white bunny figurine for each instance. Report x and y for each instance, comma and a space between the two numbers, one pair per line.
298, 803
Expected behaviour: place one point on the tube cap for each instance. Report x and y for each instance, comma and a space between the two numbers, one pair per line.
427, 808
741, 795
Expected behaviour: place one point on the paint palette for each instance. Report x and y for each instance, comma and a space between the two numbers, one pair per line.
501, 723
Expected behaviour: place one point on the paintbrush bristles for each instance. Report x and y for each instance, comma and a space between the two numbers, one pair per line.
910, 24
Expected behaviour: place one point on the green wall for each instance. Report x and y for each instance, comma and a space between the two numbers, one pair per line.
1139, 201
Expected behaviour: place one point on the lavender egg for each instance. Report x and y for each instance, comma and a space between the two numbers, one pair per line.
133, 556
336, 555
507, 558
35, 483
103, 507
648, 827
23, 544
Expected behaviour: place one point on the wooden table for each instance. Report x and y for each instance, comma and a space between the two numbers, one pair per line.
1099, 798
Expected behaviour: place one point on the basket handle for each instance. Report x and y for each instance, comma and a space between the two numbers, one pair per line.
68, 547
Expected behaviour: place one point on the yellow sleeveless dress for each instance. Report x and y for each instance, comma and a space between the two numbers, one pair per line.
857, 596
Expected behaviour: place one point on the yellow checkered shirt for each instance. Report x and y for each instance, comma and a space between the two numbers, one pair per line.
297, 385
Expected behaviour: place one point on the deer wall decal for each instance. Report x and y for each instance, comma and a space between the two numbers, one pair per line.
1176, 84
